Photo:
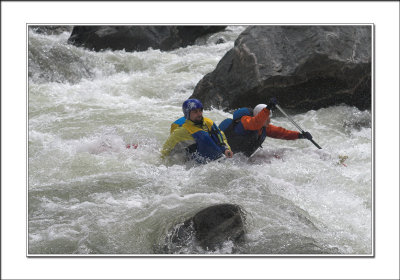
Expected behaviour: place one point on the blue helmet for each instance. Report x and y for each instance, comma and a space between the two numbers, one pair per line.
189, 105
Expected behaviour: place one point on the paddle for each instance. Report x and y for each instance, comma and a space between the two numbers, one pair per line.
296, 125
259, 148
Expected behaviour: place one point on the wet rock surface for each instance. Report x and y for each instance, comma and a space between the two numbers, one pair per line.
305, 67
138, 38
209, 228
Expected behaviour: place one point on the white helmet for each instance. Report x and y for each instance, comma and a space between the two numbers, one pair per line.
258, 109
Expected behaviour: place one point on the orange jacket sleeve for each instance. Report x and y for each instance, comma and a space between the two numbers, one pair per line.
257, 122
281, 133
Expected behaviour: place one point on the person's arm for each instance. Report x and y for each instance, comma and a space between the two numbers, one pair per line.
168, 146
257, 122
228, 152
225, 140
179, 135
281, 133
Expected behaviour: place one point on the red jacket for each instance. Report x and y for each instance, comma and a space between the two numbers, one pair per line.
257, 123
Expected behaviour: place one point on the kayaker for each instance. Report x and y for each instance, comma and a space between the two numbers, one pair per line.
195, 136
249, 128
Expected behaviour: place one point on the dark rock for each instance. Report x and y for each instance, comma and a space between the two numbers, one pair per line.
217, 224
138, 38
51, 29
305, 67
210, 228
220, 41
189, 34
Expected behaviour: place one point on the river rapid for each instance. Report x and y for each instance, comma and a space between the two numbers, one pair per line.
90, 195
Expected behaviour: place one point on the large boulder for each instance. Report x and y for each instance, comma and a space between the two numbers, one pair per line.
305, 67
209, 228
138, 38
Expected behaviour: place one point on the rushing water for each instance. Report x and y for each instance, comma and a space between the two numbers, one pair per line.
89, 194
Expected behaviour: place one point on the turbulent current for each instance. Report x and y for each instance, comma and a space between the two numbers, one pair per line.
90, 194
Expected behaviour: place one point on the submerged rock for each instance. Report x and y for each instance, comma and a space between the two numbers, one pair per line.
217, 224
209, 228
305, 67
138, 38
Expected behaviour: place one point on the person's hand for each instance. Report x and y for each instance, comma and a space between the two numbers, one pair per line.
305, 135
228, 153
272, 104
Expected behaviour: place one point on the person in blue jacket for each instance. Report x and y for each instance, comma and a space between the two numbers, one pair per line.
248, 128
196, 136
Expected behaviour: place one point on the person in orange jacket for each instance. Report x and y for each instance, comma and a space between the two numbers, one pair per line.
249, 128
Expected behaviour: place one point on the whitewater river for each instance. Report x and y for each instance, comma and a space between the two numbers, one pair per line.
89, 194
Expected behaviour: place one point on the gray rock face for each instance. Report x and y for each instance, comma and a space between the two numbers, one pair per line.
138, 38
209, 228
51, 29
217, 224
305, 67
